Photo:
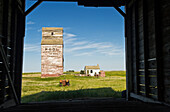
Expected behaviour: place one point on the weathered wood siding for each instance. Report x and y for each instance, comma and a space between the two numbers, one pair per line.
148, 48
165, 38
52, 52
12, 31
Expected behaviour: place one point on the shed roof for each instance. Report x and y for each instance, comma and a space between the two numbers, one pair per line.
52, 28
92, 67
52, 42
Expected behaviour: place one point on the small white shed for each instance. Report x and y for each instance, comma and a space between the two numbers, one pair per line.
92, 70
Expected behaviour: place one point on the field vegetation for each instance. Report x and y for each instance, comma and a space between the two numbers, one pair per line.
35, 88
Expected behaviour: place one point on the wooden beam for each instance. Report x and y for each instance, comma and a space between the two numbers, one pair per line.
120, 11
137, 45
20, 32
33, 7
128, 53
61, 0
144, 99
8, 104
2, 78
93, 4
4, 26
146, 50
158, 40
96, 3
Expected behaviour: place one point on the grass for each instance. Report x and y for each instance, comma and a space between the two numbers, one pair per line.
35, 88
116, 73
31, 73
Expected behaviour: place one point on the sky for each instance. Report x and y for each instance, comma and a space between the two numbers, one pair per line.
91, 35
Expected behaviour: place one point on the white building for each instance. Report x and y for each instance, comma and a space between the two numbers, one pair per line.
92, 70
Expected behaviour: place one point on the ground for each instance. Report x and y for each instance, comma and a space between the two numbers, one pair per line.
35, 88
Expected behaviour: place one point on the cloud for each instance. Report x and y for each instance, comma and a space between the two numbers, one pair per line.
84, 54
29, 28
68, 35
39, 30
69, 41
30, 22
69, 38
74, 46
111, 51
32, 47
80, 43
83, 47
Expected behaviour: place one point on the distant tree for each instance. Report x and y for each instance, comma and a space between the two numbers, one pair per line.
70, 71
82, 72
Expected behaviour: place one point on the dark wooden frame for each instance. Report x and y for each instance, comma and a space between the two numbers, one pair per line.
12, 37
158, 43
146, 51
11, 52
155, 74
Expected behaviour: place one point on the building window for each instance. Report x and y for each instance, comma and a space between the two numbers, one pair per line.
91, 71
52, 33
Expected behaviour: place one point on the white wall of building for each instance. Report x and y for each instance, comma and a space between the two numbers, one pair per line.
93, 71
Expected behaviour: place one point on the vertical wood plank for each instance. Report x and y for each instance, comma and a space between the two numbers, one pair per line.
159, 52
128, 53
145, 38
20, 33
13, 29
4, 42
2, 65
137, 47
12, 20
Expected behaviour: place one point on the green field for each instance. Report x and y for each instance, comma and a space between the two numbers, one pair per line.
35, 88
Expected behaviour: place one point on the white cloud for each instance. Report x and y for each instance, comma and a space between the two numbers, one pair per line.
69, 41
84, 54
30, 22
32, 47
69, 38
68, 35
80, 47
111, 51
80, 43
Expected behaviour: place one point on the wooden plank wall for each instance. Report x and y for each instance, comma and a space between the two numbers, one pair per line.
149, 42
12, 28
165, 35
4, 83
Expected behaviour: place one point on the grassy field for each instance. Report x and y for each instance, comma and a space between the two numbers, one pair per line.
35, 88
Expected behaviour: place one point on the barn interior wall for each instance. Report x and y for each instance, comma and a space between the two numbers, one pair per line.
12, 31
165, 38
148, 49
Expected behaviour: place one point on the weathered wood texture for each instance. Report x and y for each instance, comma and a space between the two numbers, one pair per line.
12, 30
165, 38
148, 33
52, 52
90, 105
